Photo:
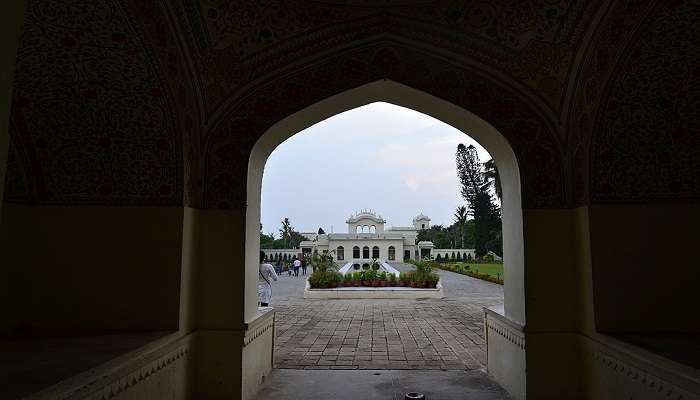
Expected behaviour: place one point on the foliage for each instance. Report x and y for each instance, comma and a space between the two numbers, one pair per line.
325, 271
266, 241
475, 191
289, 237
323, 262
489, 272
492, 178
324, 279
453, 236
423, 276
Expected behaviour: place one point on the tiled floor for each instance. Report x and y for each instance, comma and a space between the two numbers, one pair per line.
384, 334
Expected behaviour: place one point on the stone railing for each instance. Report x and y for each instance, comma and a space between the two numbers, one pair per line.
258, 351
620, 370
157, 370
505, 352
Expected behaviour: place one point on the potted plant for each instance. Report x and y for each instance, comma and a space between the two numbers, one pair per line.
356, 279
392, 280
402, 279
382, 279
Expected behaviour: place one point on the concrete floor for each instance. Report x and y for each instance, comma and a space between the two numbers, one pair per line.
290, 384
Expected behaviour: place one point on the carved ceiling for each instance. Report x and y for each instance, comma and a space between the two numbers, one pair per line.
158, 102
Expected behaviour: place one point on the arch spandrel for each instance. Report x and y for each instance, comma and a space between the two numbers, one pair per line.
89, 110
645, 140
530, 134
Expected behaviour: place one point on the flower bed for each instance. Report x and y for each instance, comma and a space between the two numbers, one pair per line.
372, 278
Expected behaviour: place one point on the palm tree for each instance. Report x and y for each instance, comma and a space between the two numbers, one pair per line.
492, 177
460, 220
286, 231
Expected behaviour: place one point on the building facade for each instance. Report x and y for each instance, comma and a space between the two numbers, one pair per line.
369, 239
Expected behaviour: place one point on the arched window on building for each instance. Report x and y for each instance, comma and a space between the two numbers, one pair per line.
358, 229
340, 253
392, 253
365, 229
372, 229
355, 252
375, 252
365, 252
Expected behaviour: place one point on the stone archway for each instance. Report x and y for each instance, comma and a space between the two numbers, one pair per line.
399, 94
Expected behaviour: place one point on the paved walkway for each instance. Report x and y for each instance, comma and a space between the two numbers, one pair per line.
384, 334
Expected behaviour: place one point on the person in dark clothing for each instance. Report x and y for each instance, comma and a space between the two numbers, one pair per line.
303, 266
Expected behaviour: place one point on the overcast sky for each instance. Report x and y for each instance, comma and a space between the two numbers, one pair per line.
392, 160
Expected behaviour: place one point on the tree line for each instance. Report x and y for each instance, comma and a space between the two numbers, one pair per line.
479, 182
288, 237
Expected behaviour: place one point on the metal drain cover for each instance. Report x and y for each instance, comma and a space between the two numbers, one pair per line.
414, 396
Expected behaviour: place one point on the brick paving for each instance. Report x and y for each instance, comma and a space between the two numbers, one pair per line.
384, 334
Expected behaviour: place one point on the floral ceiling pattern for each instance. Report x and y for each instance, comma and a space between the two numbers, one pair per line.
131, 102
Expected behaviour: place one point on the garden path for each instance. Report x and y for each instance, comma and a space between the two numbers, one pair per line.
384, 334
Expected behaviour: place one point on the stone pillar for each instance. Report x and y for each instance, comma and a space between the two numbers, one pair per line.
211, 301
233, 351
552, 303
11, 20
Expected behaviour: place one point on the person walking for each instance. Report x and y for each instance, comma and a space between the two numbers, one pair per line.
296, 264
278, 267
266, 274
303, 265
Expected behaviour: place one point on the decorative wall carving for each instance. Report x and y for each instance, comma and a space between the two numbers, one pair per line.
507, 332
531, 135
122, 102
639, 380
140, 368
259, 328
89, 110
645, 141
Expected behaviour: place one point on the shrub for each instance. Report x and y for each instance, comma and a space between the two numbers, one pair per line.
322, 279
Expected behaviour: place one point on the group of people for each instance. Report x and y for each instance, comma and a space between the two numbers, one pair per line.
294, 266
268, 273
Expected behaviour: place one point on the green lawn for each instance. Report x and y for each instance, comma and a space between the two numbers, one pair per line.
495, 270
491, 269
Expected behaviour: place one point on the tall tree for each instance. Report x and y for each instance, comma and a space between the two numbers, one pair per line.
460, 221
492, 178
286, 232
475, 192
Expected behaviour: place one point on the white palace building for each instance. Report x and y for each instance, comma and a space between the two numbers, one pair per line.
368, 239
